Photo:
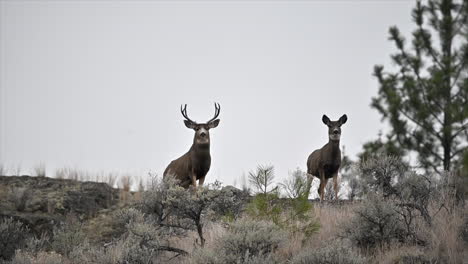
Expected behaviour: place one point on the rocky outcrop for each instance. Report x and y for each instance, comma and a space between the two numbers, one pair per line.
40, 202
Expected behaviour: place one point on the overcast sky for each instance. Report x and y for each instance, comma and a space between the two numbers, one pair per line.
98, 85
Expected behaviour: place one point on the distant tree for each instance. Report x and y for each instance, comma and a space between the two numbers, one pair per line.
387, 146
425, 97
296, 185
263, 178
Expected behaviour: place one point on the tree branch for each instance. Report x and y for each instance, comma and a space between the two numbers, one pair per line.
430, 130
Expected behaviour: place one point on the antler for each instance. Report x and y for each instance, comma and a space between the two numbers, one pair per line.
217, 110
183, 110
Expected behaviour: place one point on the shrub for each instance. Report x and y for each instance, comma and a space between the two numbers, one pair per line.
262, 178
190, 207
247, 241
334, 253
229, 202
20, 196
12, 236
265, 206
375, 224
294, 215
379, 174
413, 195
68, 236
296, 185
176, 210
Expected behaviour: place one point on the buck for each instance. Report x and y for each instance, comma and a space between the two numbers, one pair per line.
324, 163
195, 164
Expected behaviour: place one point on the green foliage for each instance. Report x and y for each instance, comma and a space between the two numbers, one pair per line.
265, 206
381, 147
425, 99
262, 179
293, 214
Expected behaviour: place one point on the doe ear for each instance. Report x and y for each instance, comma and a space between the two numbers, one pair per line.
343, 119
325, 120
213, 123
189, 124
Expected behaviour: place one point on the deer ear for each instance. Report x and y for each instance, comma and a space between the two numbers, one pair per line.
325, 120
343, 119
189, 124
213, 123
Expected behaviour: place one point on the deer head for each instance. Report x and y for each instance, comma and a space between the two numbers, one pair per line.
334, 127
202, 130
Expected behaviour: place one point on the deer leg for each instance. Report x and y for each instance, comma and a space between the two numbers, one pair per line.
193, 177
335, 185
323, 184
201, 181
186, 183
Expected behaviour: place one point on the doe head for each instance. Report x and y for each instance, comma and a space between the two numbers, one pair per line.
202, 130
334, 127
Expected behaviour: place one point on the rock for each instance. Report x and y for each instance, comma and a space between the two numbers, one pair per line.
40, 202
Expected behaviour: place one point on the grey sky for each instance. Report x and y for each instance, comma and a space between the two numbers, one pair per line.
98, 85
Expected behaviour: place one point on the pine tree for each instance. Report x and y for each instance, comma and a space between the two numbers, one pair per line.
425, 97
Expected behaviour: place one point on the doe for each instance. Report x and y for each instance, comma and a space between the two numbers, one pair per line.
324, 163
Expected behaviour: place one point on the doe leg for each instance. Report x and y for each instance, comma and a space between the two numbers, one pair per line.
323, 183
335, 185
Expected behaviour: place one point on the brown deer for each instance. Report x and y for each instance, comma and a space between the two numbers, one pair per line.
194, 164
324, 163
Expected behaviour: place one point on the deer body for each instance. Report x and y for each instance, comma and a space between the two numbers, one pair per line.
324, 163
195, 164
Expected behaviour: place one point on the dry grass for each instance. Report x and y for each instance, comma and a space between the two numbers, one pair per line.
444, 236
3, 169
40, 170
17, 170
125, 185
212, 231
394, 254
110, 179
331, 218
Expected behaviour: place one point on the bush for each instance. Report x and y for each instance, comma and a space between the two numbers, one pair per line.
12, 236
334, 253
229, 203
247, 241
68, 236
413, 196
379, 174
177, 210
294, 215
20, 196
375, 224
296, 185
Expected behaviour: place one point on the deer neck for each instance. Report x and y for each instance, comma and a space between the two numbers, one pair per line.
334, 148
200, 149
